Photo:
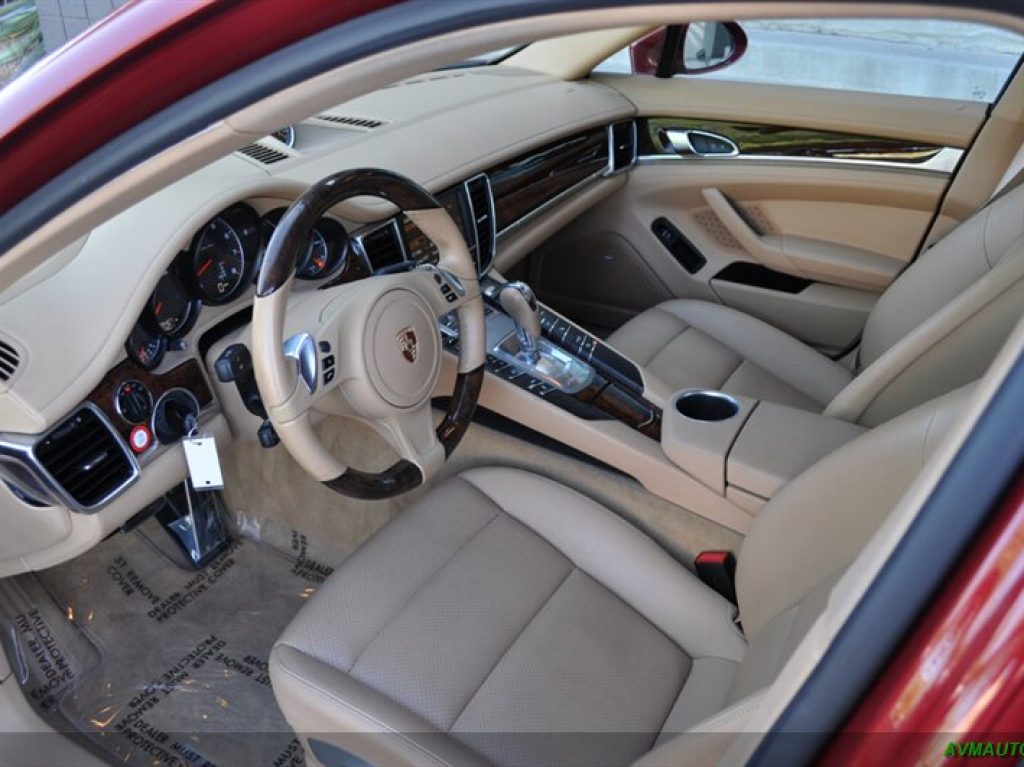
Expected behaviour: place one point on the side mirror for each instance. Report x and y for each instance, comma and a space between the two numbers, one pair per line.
710, 45
703, 46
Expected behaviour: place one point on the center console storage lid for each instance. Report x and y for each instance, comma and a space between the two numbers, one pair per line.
778, 442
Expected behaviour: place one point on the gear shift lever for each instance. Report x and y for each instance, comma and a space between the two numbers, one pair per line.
518, 301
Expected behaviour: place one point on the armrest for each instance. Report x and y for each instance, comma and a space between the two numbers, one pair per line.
778, 442
805, 257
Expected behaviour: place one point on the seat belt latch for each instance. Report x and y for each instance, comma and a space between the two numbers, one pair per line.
717, 569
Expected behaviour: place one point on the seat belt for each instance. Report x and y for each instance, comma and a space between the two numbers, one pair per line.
717, 569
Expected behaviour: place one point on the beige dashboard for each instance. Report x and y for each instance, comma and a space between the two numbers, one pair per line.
68, 324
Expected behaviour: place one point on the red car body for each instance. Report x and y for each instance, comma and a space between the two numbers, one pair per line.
962, 668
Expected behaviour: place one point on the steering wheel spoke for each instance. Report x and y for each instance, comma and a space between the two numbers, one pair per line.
413, 437
375, 352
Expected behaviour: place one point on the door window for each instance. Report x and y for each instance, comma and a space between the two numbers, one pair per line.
908, 57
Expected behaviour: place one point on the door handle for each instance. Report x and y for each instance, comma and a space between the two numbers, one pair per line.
699, 143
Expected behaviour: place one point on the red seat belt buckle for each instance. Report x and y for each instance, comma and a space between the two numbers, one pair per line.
717, 569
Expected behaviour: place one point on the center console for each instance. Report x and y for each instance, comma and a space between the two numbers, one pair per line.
704, 445
746, 449
560, 363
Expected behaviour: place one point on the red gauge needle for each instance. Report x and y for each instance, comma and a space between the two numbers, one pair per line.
159, 308
204, 267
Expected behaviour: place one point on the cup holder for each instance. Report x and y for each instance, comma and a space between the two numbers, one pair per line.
707, 405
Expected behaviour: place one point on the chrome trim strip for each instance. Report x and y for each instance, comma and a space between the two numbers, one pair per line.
944, 162
21, 448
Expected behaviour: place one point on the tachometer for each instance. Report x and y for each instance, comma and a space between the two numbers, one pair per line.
145, 347
218, 263
173, 310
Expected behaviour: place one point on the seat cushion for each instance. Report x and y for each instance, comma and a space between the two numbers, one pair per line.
685, 344
505, 619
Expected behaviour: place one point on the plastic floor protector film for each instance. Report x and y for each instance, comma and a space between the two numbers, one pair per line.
153, 663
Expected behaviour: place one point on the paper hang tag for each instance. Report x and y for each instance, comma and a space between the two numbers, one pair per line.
203, 462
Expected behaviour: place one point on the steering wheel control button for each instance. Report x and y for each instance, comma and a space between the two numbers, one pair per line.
328, 376
328, 362
325, 347
140, 439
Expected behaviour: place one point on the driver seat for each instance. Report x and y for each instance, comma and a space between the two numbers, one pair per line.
505, 619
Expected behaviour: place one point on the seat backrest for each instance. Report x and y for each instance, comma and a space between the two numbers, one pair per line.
941, 323
805, 538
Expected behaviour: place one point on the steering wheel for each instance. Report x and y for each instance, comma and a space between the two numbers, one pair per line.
369, 349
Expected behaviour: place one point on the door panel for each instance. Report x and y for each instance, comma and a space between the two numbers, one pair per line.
815, 198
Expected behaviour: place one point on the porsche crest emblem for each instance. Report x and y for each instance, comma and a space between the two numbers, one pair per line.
408, 343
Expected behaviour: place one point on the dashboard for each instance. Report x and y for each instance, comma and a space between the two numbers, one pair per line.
147, 296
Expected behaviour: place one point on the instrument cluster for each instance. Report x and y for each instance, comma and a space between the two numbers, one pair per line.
219, 266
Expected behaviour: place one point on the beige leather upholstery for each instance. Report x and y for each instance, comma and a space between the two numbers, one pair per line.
685, 343
505, 619
937, 327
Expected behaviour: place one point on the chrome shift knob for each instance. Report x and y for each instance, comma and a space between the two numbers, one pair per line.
518, 301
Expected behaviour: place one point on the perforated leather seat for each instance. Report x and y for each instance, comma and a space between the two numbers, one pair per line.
505, 619
937, 327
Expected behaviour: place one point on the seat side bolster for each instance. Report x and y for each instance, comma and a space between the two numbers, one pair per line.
786, 358
899, 361
707, 741
619, 557
322, 702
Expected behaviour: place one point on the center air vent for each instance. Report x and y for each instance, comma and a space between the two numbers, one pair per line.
481, 206
86, 459
364, 123
383, 247
263, 154
622, 146
9, 359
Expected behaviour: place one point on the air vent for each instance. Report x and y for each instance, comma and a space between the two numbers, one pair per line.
263, 154
9, 359
481, 206
86, 459
383, 247
363, 123
621, 146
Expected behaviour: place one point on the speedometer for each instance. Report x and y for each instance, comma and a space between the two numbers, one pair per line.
218, 262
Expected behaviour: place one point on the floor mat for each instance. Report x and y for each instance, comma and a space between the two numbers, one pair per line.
156, 664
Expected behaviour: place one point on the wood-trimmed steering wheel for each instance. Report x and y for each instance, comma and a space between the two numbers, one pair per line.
370, 349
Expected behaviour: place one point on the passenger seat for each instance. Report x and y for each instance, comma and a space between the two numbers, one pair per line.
935, 328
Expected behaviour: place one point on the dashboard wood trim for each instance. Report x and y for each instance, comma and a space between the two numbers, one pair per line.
525, 184
188, 375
